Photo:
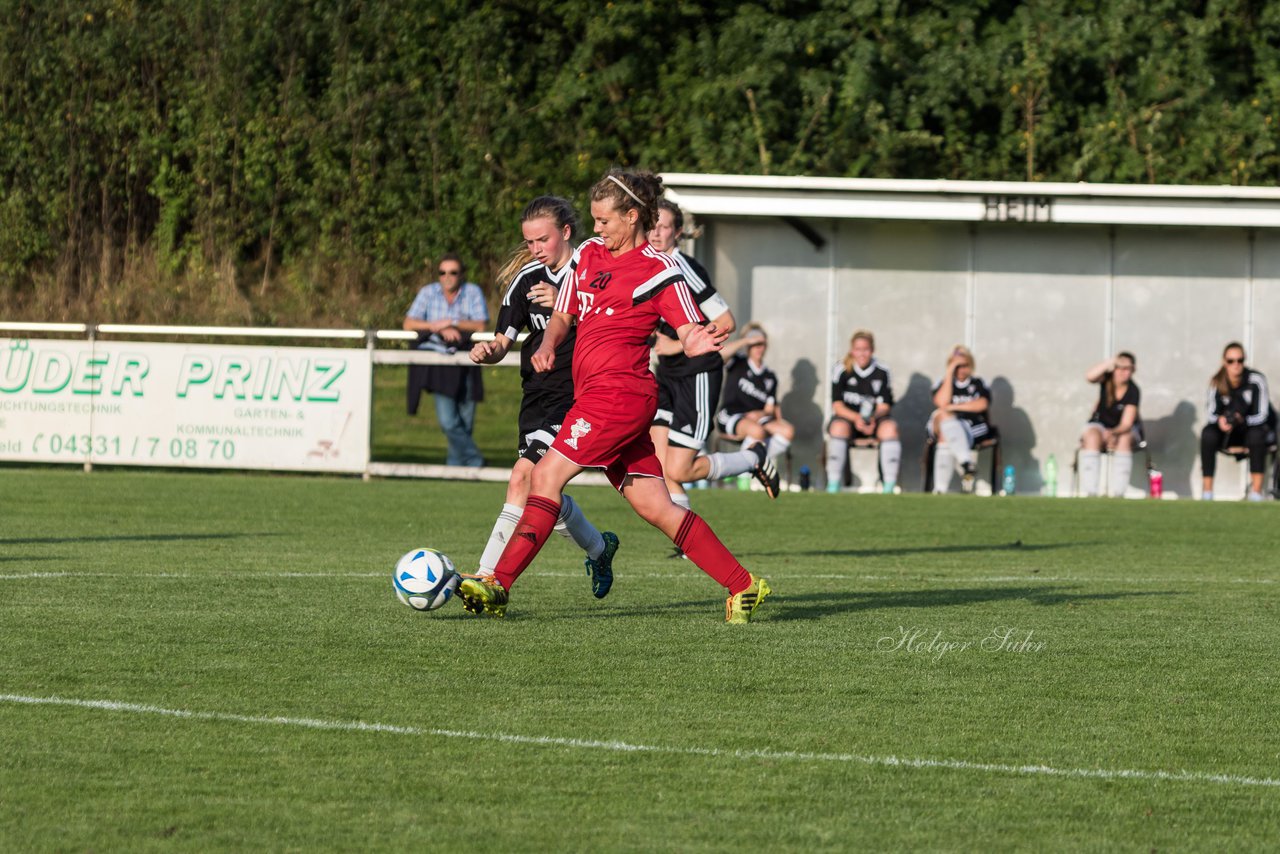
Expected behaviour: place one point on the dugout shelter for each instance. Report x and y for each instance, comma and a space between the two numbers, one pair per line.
1040, 280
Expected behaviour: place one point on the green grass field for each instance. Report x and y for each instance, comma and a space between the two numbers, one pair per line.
217, 662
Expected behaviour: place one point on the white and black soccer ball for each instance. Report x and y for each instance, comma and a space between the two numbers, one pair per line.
425, 579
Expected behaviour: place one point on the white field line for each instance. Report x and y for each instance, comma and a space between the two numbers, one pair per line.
627, 747
676, 575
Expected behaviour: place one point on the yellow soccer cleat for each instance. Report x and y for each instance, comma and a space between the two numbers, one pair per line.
483, 596
739, 607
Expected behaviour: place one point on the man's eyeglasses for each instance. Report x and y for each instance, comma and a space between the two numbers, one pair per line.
449, 272
1234, 361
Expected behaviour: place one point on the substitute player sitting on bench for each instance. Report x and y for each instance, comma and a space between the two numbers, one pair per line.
749, 409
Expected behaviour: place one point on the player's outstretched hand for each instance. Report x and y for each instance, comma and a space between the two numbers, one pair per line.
482, 350
544, 360
704, 339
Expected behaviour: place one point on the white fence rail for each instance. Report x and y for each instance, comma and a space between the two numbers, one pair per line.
289, 407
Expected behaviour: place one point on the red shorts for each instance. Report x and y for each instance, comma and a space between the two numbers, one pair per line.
611, 433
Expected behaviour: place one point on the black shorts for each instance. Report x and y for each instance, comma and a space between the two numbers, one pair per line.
727, 422
540, 419
854, 430
975, 430
687, 406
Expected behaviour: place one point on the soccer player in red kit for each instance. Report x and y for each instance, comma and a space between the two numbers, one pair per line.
618, 287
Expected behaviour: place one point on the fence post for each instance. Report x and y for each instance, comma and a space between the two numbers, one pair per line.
370, 339
91, 333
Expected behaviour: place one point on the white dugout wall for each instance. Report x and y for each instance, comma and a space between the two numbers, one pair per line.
1036, 289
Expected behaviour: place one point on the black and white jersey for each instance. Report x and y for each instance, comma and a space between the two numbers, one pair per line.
1248, 403
746, 387
861, 389
712, 305
519, 313
967, 392
1109, 415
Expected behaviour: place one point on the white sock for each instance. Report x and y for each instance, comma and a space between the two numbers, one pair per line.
837, 453
503, 528
1090, 462
942, 468
573, 524
778, 446
890, 460
681, 500
1121, 470
729, 464
957, 440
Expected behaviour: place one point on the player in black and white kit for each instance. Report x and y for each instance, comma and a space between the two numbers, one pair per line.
1239, 414
1114, 425
535, 274
689, 389
959, 420
861, 398
749, 408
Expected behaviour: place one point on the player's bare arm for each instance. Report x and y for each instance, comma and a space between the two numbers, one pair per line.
491, 352
725, 321
980, 404
728, 350
1127, 419
664, 345
557, 328
848, 413
854, 417
1099, 371
697, 338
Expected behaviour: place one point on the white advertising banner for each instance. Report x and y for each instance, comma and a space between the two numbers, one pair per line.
188, 405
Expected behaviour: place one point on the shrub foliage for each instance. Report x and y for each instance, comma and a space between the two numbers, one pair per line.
293, 161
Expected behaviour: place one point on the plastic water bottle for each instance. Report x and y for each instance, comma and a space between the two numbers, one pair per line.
806, 479
1156, 481
1010, 481
1051, 477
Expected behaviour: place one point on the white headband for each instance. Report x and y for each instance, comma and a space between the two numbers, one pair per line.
625, 189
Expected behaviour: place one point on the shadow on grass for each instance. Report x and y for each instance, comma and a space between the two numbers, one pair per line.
811, 606
129, 538
1016, 546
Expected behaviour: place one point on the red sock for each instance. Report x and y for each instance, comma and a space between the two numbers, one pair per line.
696, 539
535, 525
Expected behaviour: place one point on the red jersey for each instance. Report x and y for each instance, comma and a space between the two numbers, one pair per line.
618, 303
